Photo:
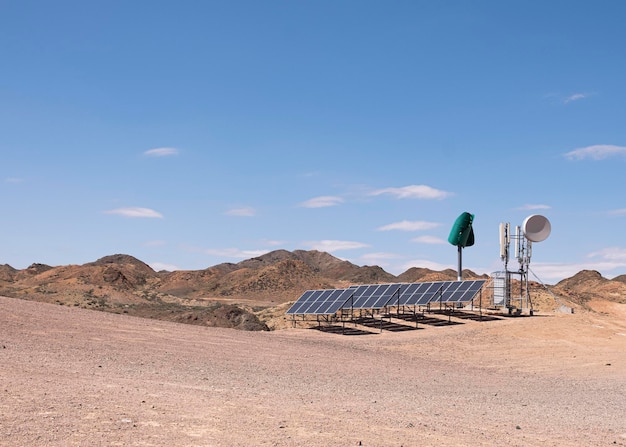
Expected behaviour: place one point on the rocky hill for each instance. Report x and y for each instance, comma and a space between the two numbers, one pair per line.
247, 294
589, 286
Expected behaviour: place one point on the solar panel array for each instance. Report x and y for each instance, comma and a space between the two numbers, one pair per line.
379, 296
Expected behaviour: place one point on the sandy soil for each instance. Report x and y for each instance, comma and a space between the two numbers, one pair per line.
73, 377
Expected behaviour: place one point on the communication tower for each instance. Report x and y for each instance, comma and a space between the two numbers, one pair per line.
535, 228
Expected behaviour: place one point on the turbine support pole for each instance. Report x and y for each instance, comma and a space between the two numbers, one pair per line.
460, 275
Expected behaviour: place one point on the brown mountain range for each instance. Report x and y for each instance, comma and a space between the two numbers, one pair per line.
251, 294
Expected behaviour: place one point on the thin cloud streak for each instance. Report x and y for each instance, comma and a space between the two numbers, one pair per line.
596, 152
136, 212
618, 212
235, 253
575, 97
159, 266
607, 260
161, 152
559, 271
432, 240
413, 192
407, 225
422, 263
334, 245
322, 202
610, 254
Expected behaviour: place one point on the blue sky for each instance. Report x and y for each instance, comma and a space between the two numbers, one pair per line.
192, 133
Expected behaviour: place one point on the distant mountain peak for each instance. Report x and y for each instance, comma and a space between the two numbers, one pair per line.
120, 259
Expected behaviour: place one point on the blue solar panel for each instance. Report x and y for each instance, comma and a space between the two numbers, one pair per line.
473, 290
462, 291
454, 292
433, 293
373, 297
448, 290
333, 302
395, 292
389, 292
361, 295
412, 293
407, 292
378, 296
320, 303
301, 303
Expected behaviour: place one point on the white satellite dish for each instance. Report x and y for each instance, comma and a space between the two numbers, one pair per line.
536, 228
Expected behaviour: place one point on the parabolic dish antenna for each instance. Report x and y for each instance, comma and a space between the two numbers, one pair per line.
536, 228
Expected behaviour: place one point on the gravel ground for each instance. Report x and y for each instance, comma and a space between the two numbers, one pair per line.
73, 377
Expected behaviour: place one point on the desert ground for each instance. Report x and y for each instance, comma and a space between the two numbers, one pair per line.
77, 377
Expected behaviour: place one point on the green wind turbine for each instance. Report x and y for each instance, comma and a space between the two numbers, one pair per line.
462, 235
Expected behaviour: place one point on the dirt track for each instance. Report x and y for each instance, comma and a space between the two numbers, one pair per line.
73, 377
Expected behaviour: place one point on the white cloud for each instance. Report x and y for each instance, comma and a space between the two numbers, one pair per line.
575, 97
433, 240
245, 212
554, 272
558, 272
618, 212
610, 254
560, 98
161, 152
407, 225
13, 180
235, 253
426, 264
413, 192
605, 261
531, 207
322, 202
158, 266
136, 212
597, 152
332, 245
